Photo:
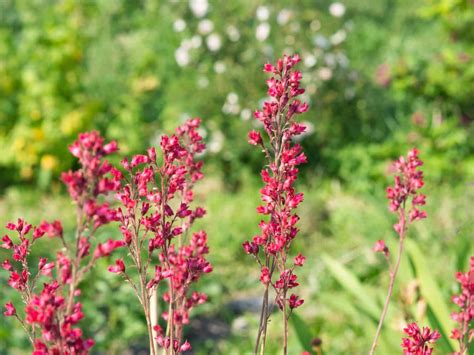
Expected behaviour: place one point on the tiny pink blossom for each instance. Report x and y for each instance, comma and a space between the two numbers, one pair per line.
381, 247
9, 309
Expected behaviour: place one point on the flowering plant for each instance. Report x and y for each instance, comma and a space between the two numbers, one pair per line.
464, 332
270, 248
155, 218
404, 199
51, 316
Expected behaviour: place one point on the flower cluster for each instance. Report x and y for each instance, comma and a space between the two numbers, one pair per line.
156, 215
464, 333
418, 340
51, 316
271, 246
46, 311
406, 187
408, 181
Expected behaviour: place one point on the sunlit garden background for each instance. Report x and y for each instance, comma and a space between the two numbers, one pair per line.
381, 77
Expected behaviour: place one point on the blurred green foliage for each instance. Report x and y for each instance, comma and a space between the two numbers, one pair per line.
133, 69
381, 77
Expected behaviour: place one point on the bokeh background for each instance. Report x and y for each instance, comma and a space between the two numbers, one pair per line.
381, 77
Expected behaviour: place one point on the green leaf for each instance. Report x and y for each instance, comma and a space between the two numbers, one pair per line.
302, 331
431, 291
352, 285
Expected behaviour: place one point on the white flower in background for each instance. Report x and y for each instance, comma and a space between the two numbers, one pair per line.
262, 31
283, 17
199, 7
205, 26
263, 13
233, 33
321, 41
214, 42
342, 60
325, 73
196, 41
217, 140
203, 82
182, 56
245, 114
310, 60
231, 105
330, 59
338, 37
179, 25
220, 67
337, 9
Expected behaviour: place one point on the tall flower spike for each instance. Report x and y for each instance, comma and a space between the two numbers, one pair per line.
155, 218
405, 199
52, 316
279, 197
464, 332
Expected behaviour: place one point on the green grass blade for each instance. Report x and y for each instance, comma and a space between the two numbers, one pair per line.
431, 291
349, 281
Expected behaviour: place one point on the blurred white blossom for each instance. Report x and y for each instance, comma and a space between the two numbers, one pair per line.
182, 56
196, 41
263, 13
310, 60
214, 42
199, 7
179, 25
325, 73
245, 114
262, 32
338, 37
220, 67
283, 17
337, 9
233, 33
205, 26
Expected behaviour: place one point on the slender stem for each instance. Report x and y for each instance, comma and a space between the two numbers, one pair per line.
285, 328
393, 275
263, 320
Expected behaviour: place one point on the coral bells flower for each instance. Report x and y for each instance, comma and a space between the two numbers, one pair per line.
9, 310
279, 196
51, 316
418, 341
118, 268
407, 183
155, 216
381, 247
464, 333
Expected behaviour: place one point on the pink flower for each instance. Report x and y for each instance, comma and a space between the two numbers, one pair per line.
9, 309
418, 341
465, 301
299, 260
118, 268
381, 247
265, 276
294, 301
7, 242
108, 247
254, 138
185, 346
